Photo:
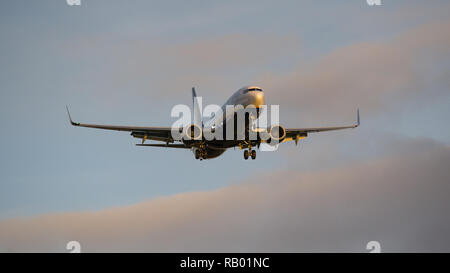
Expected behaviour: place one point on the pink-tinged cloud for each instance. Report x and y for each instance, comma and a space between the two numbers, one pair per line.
374, 74
371, 74
165, 68
401, 200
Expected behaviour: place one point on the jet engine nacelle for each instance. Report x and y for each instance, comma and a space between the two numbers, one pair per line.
193, 132
277, 133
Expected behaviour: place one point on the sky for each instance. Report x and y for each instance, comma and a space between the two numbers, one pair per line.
129, 63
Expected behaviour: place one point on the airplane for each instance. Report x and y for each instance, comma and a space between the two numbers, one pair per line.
193, 136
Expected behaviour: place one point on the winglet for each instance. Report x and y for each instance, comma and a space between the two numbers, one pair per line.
357, 118
70, 118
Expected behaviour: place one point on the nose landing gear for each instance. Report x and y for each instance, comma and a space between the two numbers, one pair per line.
200, 154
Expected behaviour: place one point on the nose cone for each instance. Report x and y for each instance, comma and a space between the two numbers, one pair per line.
258, 99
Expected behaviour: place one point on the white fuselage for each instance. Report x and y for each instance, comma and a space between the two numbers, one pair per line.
247, 97
243, 97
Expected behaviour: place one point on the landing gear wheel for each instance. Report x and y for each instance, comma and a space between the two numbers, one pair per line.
245, 154
253, 154
197, 154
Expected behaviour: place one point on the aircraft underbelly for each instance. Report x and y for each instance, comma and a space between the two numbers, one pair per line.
213, 153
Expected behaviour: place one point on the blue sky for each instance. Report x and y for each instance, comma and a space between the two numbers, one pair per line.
129, 62
54, 55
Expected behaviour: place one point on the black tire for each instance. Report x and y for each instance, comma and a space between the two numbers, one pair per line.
253, 154
197, 154
245, 154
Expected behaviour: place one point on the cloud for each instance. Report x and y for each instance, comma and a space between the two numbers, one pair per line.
169, 66
400, 200
373, 74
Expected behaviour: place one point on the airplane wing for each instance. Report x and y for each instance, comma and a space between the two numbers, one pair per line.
295, 133
153, 133
180, 146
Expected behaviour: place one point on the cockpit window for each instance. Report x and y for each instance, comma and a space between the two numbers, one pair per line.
252, 89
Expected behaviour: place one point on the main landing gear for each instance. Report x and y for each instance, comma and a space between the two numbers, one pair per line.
250, 152
246, 154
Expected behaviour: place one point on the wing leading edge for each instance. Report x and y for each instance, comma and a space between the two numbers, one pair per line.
164, 133
294, 132
153, 133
